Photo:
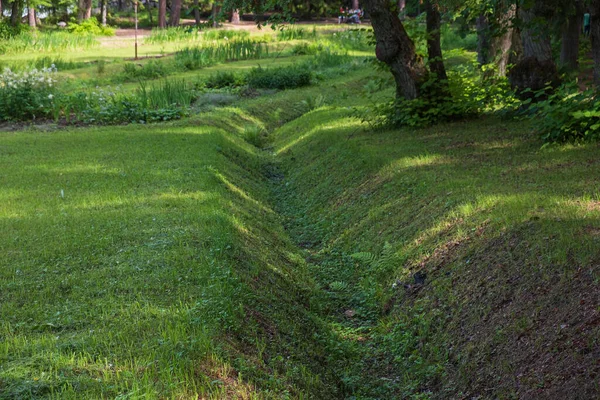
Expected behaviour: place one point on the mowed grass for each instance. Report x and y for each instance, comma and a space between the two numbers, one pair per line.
146, 262
468, 254
130, 268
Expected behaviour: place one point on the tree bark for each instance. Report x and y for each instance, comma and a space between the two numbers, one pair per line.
434, 44
31, 15
355, 4
396, 49
197, 12
235, 17
1, 11
215, 22
84, 10
175, 13
16, 12
483, 40
162, 14
537, 68
569, 49
104, 11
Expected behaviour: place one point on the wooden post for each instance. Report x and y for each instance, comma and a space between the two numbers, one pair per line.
135, 6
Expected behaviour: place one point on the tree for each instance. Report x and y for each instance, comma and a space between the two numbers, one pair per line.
162, 14
235, 17
434, 46
84, 10
175, 12
537, 68
16, 12
395, 48
595, 36
31, 14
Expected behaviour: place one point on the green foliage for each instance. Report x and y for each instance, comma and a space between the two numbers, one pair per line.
256, 136
172, 34
467, 95
90, 26
292, 32
26, 95
53, 41
279, 78
192, 58
307, 49
150, 70
224, 79
8, 31
565, 116
353, 39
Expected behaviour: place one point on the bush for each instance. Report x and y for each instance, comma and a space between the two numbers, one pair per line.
90, 26
26, 95
566, 116
468, 95
224, 79
279, 78
150, 70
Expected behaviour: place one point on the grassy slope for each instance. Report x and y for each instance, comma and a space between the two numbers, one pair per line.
507, 234
162, 271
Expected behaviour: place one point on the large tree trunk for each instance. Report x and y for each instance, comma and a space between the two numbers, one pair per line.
235, 17
396, 49
434, 45
569, 49
1, 11
31, 15
162, 14
497, 48
16, 12
537, 68
84, 10
175, 13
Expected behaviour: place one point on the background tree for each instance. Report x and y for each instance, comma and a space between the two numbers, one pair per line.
162, 13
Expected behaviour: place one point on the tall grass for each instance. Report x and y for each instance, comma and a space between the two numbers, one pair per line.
290, 32
172, 34
199, 57
189, 34
168, 93
47, 42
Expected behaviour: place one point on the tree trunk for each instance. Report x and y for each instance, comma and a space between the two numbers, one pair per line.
537, 68
84, 10
104, 11
434, 44
569, 48
215, 22
162, 14
31, 15
355, 4
1, 11
483, 40
595, 36
503, 44
396, 49
235, 17
197, 12
175, 13
16, 12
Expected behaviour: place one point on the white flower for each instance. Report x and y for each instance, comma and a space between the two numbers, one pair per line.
50, 96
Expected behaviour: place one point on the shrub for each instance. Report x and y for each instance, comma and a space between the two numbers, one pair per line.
224, 79
307, 49
256, 136
90, 26
26, 95
288, 32
566, 116
150, 70
279, 78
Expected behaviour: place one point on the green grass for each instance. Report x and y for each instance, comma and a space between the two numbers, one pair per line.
278, 248
505, 232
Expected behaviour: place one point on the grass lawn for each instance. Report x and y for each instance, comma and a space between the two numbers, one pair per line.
280, 248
